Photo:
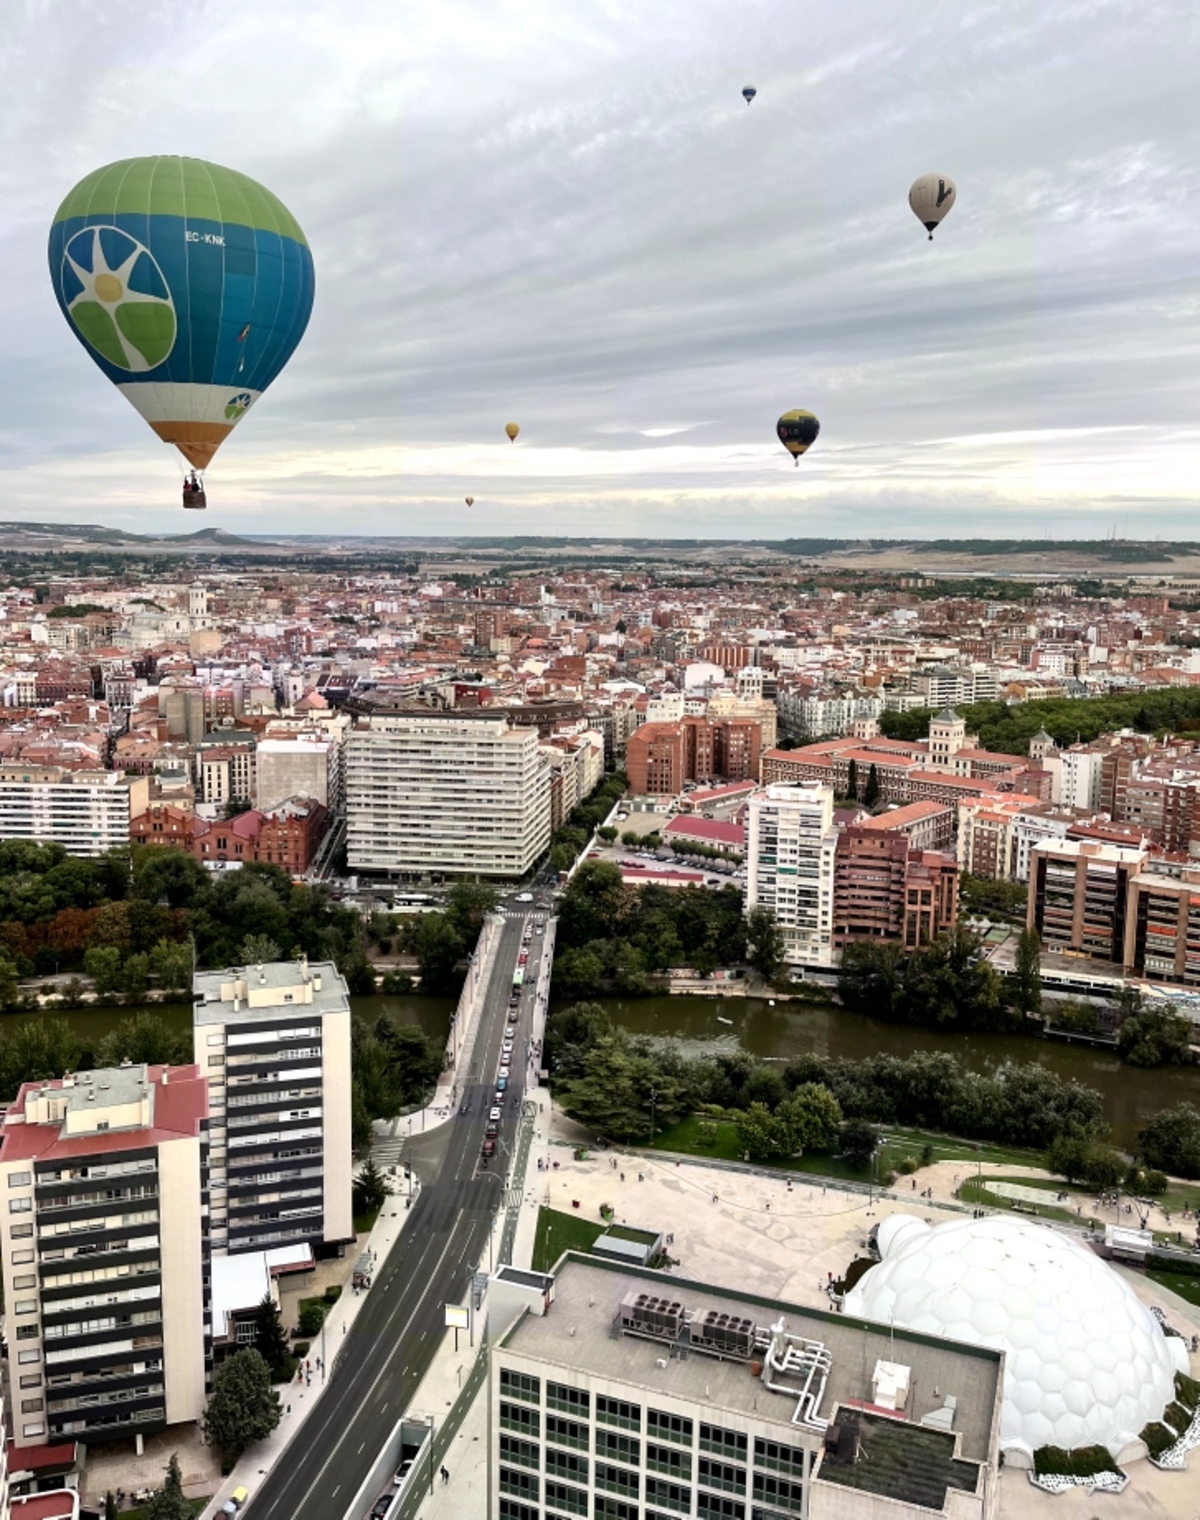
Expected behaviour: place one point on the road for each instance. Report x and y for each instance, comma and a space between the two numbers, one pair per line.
399, 1327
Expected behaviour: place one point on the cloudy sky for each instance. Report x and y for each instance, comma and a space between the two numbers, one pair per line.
561, 212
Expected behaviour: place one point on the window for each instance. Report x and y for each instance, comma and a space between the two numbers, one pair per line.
725, 1443
31, 1380
513, 1417
616, 1479
668, 1427
711, 1507
216, 1039
572, 1501
32, 1406
35, 1429
26, 1306
511, 1510
524, 1485
613, 1509
20, 1205
574, 1401
721, 1475
23, 1258
27, 1332
565, 1464
216, 1060
29, 1280
778, 1491
523, 1453
19, 1179
619, 1448
519, 1385
669, 1494
25, 1357
784, 1459
669, 1460
618, 1412
566, 1432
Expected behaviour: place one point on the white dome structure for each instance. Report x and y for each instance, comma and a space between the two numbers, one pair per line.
1087, 1363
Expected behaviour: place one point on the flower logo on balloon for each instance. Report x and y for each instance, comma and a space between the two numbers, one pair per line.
236, 405
117, 298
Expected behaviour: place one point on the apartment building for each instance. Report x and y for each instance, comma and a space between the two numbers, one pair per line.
226, 771
274, 1042
790, 851
622, 1394
105, 1256
299, 765
885, 889
87, 812
454, 794
1079, 895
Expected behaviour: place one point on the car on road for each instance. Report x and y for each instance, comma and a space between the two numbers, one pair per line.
524, 897
465, 1106
501, 1084
402, 1472
508, 1045
512, 1015
381, 1506
488, 1149
504, 1073
494, 1114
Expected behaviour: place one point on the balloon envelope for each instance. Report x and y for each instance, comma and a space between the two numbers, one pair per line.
512, 429
470, 500
189, 285
931, 198
748, 94
797, 431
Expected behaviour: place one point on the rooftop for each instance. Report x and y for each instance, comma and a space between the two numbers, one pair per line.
247, 994
136, 1105
580, 1334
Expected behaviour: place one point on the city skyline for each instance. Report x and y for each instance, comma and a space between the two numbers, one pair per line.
572, 219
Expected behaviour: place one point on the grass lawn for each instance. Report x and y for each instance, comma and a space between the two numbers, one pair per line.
558, 1232
684, 1137
141, 1512
365, 1223
972, 1191
1186, 1286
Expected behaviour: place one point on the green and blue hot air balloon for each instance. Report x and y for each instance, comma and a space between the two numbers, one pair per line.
189, 285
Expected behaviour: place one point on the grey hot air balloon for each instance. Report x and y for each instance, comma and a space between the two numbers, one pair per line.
931, 197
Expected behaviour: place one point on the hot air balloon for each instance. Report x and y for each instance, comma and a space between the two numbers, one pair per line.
512, 429
931, 197
189, 285
797, 432
748, 94
470, 500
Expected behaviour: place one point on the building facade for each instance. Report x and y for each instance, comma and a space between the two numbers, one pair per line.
450, 794
106, 1253
274, 1042
790, 849
87, 812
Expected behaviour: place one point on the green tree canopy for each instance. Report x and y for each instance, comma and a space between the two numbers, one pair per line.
243, 1408
1171, 1141
169, 1503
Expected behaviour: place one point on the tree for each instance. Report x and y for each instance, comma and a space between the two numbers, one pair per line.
169, 1502
871, 793
852, 781
145, 1038
1156, 1036
1027, 974
257, 949
1171, 1141
103, 963
468, 903
135, 975
759, 1133
371, 1188
312, 1317
163, 874
243, 1407
39, 1051
10, 985
171, 965
608, 833
764, 942
270, 1338
438, 947
858, 1140
812, 1118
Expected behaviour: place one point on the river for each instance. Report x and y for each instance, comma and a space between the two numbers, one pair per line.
1131, 1096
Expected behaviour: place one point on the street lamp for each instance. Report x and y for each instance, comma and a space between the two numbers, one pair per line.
432, 1429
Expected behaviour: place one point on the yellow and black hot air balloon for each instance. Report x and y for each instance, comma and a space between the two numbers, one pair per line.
512, 429
797, 431
470, 500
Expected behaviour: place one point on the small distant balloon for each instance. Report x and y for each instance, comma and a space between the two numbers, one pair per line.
748, 94
797, 431
931, 198
512, 429
470, 500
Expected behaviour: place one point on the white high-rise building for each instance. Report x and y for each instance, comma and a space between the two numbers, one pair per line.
274, 1042
427, 792
790, 847
87, 812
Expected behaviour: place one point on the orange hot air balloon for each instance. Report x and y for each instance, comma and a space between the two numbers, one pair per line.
512, 429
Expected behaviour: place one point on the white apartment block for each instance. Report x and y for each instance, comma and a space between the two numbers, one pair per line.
449, 794
102, 1229
790, 847
804, 714
274, 1043
625, 1394
87, 812
227, 773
